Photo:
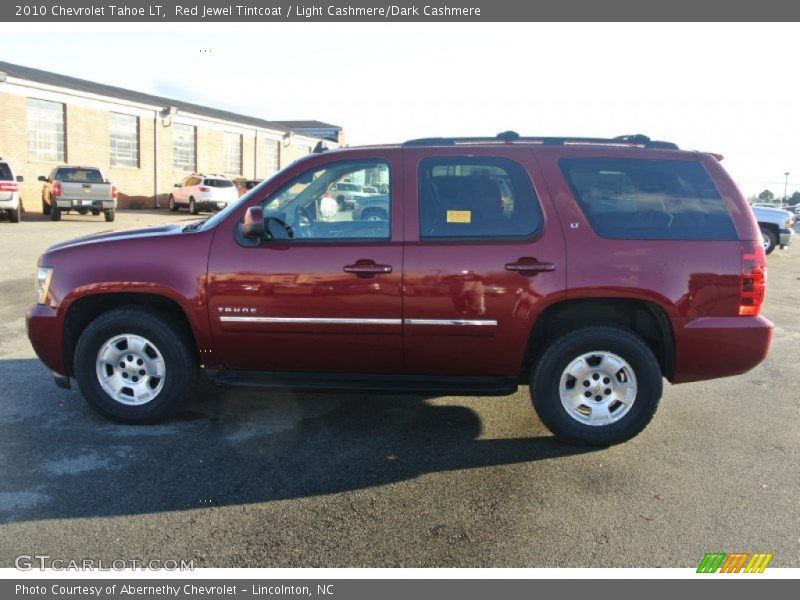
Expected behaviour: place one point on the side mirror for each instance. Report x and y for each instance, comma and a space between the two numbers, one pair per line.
42, 178
252, 227
20, 179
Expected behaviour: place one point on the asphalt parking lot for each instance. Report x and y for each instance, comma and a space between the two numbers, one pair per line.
246, 478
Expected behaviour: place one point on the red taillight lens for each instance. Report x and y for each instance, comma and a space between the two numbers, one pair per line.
203, 189
8, 186
56, 189
753, 280
114, 192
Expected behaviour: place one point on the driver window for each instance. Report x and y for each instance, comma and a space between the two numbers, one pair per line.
347, 200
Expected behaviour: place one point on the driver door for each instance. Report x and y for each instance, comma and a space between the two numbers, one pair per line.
322, 292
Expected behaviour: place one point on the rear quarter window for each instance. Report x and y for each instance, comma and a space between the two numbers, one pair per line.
648, 199
5, 172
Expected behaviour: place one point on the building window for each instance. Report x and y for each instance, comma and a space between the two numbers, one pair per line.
45, 130
233, 153
184, 147
123, 140
273, 157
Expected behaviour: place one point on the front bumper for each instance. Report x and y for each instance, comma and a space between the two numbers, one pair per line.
712, 347
46, 336
785, 237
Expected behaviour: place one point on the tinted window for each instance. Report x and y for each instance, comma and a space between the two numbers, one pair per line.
311, 206
5, 172
476, 198
79, 175
219, 183
648, 199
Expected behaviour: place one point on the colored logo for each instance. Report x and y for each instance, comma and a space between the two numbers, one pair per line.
737, 562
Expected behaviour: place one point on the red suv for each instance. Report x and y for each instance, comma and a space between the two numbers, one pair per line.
589, 268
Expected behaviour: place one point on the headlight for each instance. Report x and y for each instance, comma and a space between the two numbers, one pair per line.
43, 284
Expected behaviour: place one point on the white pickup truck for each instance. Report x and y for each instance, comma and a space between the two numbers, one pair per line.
80, 189
777, 227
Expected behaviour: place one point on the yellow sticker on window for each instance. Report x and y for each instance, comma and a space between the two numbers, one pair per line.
459, 216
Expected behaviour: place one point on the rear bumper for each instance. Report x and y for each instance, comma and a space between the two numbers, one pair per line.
75, 204
44, 332
785, 237
712, 347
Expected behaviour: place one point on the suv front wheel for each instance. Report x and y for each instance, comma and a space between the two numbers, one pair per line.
134, 366
596, 386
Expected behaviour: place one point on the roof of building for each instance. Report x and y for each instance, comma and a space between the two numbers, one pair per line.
101, 89
308, 125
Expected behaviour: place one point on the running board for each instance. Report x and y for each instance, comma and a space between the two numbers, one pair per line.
368, 382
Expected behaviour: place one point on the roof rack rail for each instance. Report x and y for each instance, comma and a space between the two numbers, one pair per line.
512, 136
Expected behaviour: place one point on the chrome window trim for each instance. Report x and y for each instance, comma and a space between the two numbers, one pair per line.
453, 322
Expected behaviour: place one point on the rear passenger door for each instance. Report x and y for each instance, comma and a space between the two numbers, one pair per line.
484, 255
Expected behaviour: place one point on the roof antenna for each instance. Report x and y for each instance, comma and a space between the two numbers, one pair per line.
508, 136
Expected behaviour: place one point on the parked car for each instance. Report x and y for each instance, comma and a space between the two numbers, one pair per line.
203, 192
375, 208
776, 225
80, 189
9, 192
346, 194
619, 263
369, 190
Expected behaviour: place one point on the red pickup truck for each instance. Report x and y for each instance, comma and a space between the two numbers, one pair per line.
589, 269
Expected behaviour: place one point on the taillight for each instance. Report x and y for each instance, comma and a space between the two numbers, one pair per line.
753, 280
8, 186
56, 189
203, 188
114, 192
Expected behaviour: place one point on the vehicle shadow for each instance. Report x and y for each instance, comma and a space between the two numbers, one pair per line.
229, 447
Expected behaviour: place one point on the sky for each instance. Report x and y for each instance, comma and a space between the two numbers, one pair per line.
732, 89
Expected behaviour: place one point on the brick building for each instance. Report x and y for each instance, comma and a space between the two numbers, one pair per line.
143, 143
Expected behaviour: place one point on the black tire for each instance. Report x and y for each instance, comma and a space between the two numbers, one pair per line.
172, 206
55, 213
14, 215
546, 380
110, 215
193, 207
171, 340
45, 207
770, 240
96, 212
378, 214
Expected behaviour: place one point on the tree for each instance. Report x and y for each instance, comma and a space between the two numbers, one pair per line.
794, 198
766, 196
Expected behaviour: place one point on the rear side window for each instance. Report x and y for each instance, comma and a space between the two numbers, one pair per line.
477, 198
219, 183
5, 172
648, 199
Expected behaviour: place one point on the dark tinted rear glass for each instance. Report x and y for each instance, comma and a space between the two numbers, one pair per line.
220, 183
79, 175
648, 199
5, 172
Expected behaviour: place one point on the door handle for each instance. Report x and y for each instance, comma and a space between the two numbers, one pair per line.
530, 266
367, 268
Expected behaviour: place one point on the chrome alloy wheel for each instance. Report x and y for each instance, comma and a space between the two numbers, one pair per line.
130, 369
598, 388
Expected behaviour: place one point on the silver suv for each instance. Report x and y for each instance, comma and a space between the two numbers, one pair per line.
9, 192
203, 192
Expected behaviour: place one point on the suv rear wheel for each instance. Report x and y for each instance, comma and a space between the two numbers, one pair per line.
597, 386
134, 366
192, 206
14, 215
